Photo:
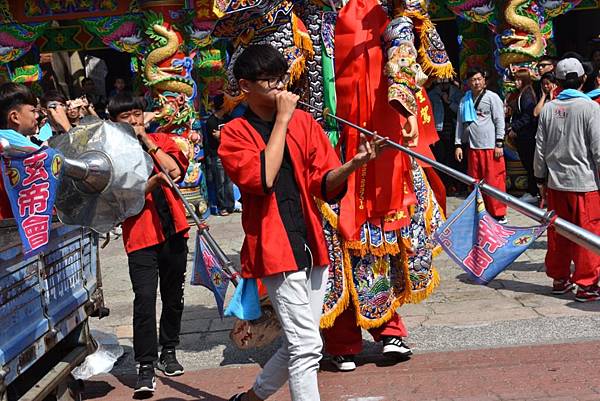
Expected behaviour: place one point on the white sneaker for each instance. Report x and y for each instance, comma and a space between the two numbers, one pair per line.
394, 346
344, 363
527, 197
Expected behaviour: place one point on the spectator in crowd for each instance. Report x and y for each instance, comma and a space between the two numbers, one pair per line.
91, 94
118, 87
445, 98
215, 173
523, 126
567, 165
480, 128
79, 108
545, 65
54, 105
549, 87
18, 123
156, 245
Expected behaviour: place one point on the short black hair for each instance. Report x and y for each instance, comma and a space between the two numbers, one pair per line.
572, 81
52, 96
547, 57
13, 95
258, 61
548, 76
123, 102
472, 71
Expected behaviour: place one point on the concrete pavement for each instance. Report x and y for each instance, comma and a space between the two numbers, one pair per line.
515, 309
565, 372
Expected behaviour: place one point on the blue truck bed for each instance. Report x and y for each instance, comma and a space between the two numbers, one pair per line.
45, 298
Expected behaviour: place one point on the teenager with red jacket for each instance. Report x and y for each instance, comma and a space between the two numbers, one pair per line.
156, 245
280, 158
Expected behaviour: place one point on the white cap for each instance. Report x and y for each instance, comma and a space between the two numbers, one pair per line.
567, 66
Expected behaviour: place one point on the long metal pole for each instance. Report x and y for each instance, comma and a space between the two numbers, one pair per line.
567, 229
203, 230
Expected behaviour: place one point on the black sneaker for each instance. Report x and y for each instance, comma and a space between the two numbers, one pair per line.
146, 382
344, 363
395, 347
168, 363
237, 397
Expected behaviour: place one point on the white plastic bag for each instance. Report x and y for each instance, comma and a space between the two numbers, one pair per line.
101, 361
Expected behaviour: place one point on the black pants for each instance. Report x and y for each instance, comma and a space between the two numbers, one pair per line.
526, 150
166, 261
216, 175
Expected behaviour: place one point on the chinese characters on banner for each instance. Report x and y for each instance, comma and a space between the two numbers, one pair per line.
208, 273
31, 182
479, 244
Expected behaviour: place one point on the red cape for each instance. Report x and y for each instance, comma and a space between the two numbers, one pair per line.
378, 190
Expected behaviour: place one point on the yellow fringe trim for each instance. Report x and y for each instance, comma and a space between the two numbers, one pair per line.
302, 39
327, 213
421, 295
297, 69
231, 102
303, 42
327, 320
399, 301
440, 71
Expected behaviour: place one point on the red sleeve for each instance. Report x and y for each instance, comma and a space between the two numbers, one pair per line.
322, 159
243, 160
170, 147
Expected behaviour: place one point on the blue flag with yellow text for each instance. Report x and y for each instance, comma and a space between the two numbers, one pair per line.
479, 244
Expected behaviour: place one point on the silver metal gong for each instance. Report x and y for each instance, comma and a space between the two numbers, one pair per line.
106, 171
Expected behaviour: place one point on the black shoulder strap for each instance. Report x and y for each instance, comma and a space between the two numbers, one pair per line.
478, 100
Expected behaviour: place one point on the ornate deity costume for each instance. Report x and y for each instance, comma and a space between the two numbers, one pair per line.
387, 261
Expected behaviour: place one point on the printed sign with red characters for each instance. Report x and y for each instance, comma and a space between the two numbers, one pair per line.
479, 244
31, 181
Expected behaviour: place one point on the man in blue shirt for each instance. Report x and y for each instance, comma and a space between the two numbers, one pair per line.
18, 122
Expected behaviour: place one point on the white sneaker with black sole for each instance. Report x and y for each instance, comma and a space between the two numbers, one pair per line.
395, 347
344, 363
146, 382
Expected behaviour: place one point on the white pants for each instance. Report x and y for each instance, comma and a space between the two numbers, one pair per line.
297, 299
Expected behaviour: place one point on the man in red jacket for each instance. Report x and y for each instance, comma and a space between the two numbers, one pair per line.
280, 158
156, 245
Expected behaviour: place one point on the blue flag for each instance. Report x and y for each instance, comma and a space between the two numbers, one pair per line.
31, 181
479, 244
208, 273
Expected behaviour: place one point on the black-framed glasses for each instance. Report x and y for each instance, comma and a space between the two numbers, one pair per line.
273, 83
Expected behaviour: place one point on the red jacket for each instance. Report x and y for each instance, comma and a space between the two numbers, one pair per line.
266, 249
144, 229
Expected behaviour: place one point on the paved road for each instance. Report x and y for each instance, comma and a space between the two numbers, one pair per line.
515, 309
566, 372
